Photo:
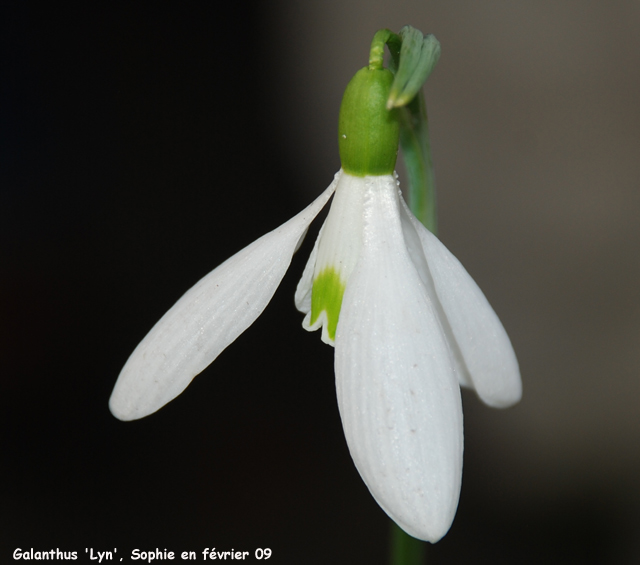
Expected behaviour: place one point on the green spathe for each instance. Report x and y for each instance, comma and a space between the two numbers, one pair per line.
368, 132
328, 289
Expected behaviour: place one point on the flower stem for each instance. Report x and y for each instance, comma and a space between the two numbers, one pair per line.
416, 151
406, 550
381, 38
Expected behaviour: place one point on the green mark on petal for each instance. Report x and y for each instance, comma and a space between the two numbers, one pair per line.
326, 295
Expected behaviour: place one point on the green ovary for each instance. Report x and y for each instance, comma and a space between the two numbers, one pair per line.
326, 295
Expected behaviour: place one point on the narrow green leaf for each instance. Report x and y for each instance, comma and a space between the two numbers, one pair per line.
418, 57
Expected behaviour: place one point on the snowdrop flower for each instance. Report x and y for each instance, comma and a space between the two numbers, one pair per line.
408, 323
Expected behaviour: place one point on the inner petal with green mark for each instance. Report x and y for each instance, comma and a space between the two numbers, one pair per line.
333, 259
326, 296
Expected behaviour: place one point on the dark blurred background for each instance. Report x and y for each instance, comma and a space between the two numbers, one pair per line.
142, 146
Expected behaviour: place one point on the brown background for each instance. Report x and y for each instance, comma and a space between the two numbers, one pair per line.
142, 147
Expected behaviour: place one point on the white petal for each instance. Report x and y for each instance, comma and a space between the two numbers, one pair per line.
337, 250
479, 339
208, 317
302, 297
416, 252
398, 394
341, 240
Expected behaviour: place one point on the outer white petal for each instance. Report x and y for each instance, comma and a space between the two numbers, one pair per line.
208, 317
398, 394
479, 339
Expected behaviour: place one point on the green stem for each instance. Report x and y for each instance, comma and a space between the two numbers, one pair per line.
416, 151
381, 38
406, 550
